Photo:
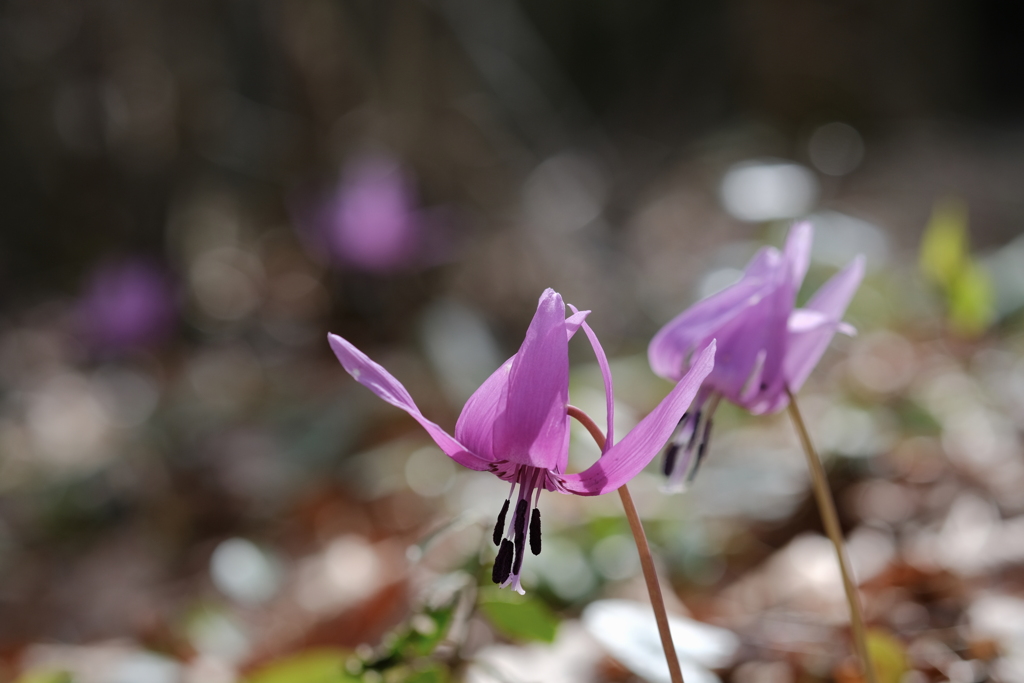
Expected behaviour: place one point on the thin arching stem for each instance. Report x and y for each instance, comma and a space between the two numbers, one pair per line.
646, 559
827, 508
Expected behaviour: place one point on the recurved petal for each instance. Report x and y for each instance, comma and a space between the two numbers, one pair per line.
834, 296
573, 322
806, 320
606, 374
531, 430
809, 334
624, 460
680, 337
381, 382
797, 253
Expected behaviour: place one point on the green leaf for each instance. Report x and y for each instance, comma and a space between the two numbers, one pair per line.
312, 666
523, 619
418, 637
944, 244
946, 260
434, 673
45, 676
972, 302
888, 655
426, 631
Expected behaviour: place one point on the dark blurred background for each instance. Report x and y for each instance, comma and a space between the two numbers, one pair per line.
193, 193
117, 116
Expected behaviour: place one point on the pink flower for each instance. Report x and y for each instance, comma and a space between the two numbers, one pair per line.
516, 426
766, 345
127, 304
371, 220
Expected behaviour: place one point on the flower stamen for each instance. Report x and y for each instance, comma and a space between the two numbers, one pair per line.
691, 441
520, 534
499, 526
503, 563
524, 527
705, 442
535, 532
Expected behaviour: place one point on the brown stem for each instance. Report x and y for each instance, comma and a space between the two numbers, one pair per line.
827, 508
646, 559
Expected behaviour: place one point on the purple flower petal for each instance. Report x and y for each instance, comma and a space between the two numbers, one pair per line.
624, 460
806, 320
379, 381
807, 346
475, 426
764, 264
691, 329
753, 342
606, 374
532, 429
797, 252
573, 322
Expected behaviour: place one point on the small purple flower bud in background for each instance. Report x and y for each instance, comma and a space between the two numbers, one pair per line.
370, 220
127, 304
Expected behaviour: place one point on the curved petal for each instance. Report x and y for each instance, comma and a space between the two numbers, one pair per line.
806, 320
754, 344
624, 460
475, 426
679, 338
531, 430
764, 264
770, 327
381, 382
797, 252
606, 374
573, 322
807, 346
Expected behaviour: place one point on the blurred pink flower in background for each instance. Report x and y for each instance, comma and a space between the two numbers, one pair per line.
371, 221
128, 303
768, 346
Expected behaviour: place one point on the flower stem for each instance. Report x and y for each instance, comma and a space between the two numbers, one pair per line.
653, 587
646, 559
827, 508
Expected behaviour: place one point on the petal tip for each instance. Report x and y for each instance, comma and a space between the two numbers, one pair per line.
707, 355
549, 300
339, 344
549, 293
801, 232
